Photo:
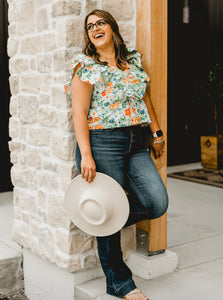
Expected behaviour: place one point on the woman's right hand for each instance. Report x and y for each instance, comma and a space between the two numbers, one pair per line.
88, 168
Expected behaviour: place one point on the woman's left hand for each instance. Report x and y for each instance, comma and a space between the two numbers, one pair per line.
157, 145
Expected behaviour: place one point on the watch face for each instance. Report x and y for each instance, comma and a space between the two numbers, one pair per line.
159, 133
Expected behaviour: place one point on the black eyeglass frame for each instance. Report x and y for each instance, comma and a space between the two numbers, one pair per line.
95, 24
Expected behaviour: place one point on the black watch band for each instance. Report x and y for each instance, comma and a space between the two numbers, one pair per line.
158, 133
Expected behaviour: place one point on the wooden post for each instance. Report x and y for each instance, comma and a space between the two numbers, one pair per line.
152, 42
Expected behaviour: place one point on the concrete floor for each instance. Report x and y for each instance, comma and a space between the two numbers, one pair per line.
195, 233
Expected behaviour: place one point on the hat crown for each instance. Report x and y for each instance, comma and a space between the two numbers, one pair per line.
94, 207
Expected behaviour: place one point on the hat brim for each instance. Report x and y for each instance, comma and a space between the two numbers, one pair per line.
115, 196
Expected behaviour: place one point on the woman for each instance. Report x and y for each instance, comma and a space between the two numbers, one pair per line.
112, 115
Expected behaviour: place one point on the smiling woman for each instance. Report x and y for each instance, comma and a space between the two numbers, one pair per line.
113, 116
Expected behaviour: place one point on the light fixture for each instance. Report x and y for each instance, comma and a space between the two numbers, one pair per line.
186, 12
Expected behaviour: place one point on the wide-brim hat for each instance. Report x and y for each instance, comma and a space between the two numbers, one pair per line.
99, 208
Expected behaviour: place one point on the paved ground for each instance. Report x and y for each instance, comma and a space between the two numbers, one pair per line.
195, 233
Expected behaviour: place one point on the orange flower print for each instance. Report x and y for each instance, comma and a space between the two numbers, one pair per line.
138, 119
131, 77
135, 81
109, 90
67, 89
99, 126
97, 119
91, 127
117, 104
110, 84
94, 113
90, 68
134, 121
125, 80
133, 110
90, 120
103, 93
128, 112
112, 106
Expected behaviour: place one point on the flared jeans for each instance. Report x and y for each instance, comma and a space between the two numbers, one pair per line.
121, 153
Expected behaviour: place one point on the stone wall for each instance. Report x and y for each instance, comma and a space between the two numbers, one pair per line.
43, 36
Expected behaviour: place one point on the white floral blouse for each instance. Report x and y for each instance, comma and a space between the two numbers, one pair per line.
117, 98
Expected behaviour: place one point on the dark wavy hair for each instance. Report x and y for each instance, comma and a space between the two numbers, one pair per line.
121, 51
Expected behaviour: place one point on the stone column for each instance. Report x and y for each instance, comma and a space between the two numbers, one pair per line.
43, 37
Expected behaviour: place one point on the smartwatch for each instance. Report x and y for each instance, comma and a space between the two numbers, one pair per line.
158, 133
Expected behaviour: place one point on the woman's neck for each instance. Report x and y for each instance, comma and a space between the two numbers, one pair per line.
108, 53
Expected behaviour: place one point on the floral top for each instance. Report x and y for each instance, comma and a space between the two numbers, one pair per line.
117, 95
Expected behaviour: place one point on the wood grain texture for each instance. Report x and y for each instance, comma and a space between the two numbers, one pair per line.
152, 42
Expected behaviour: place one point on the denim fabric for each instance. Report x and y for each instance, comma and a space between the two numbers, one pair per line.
121, 153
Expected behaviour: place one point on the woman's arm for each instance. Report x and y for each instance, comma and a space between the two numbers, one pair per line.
81, 98
154, 125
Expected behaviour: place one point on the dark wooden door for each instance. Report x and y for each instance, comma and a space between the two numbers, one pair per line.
5, 182
191, 50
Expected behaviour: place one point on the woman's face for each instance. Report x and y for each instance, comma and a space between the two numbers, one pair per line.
100, 37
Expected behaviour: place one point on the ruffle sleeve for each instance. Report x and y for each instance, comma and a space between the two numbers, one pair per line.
88, 72
137, 62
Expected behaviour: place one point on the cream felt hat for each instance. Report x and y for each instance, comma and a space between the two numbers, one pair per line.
98, 208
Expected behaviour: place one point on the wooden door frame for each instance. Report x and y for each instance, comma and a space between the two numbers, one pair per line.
152, 42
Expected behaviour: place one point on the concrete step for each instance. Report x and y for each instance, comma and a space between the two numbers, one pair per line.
11, 272
199, 252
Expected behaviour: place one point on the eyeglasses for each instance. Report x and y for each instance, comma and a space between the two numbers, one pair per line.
99, 24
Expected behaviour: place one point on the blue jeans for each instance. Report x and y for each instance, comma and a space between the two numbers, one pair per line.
121, 153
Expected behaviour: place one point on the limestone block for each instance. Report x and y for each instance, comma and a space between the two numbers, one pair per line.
14, 146
128, 240
42, 20
47, 82
33, 64
49, 165
73, 243
44, 98
59, 79
33, 158
41, 3
91, 5
39, 136
13, 128
128, 32
31, 45
23, 132
14, 84
25, 200
62, 8
66, 120
59, 98
49, 42
63, 146
46, 243
11, 13
74, 33
20, 65
56, 215
59, 60
71, 264
48, 180
13, 106
12, 46
65, 174
44, 63
24, 177
28, 108
12, 29
20, 233
41, 199
31, 83
121, 10
48, 116
90, 261
14, 158
25, 17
